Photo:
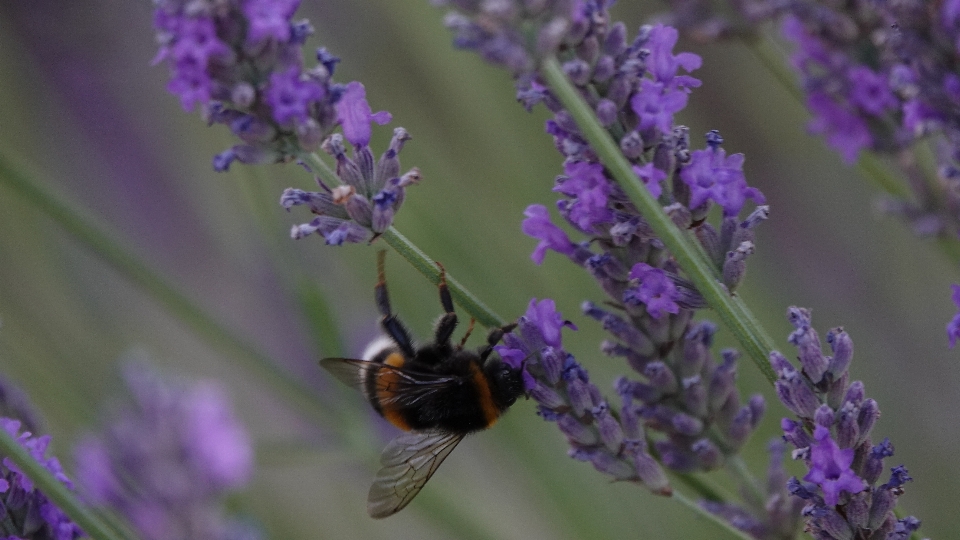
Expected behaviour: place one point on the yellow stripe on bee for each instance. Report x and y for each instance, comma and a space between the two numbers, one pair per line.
490, 411
387, 382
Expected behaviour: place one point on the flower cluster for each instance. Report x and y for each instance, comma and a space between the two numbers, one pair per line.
775, 517
241, 63
635, 88
25, 512
167, 460
615, 444
832, 436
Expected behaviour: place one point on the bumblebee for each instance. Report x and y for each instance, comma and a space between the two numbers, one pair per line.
437, 393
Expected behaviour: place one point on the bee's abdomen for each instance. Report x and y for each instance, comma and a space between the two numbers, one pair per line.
380, 387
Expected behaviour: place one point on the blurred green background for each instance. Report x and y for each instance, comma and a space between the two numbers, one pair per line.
83, 110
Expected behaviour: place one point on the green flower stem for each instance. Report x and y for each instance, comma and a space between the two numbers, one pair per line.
470, 303
65, 499
112, 252
731, 310
702, 512
738, 468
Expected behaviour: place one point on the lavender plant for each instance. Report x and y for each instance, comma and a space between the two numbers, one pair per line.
658, 226
878, 77
832, 438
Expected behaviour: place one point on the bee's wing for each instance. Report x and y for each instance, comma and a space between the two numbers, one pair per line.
348, 370
397, 386
408, 462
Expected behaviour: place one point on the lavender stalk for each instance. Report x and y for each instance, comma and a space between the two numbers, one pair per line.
738, 319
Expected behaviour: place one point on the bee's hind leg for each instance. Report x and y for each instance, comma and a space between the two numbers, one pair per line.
391, 325
448, 322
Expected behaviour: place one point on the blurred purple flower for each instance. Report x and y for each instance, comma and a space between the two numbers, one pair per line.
168, 458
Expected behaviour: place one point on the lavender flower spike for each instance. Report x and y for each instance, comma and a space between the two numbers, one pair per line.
167, 460
25, 512
240, 63
614, 444
843, 500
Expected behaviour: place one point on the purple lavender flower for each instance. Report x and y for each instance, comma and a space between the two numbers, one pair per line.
565, 395
830, 468
711, 175
169, 457
654, 290
842, 497
635, 87
355, 115
240, 62
538, 225
25, 511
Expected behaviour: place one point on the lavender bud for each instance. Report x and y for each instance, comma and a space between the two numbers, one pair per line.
883, 502
855, 393
778, 362
808, 342
873, 464
581, 399
735, 265
794, 433
694, 395
661, 377
685, 424
848, 432
869, 414
632, 145
546, 396
837, 390
723, 380
551, 363
610, 431
835, 525
578, 71
607, 112
577, 432
649, 471
796, 395
710, 240
858, 510
604, 69
709, 455
609, 464
842, 347
824, 416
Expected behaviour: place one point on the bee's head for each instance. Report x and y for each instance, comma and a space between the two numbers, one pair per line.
506, 382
